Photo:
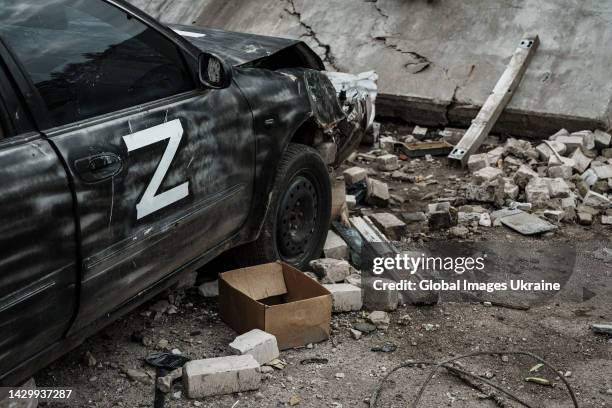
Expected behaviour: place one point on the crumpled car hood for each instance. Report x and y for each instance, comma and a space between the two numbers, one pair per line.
235, 48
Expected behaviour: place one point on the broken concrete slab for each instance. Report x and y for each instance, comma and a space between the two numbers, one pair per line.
346, 297
527, 224
221, 375
389, 224
335, 247
257, 343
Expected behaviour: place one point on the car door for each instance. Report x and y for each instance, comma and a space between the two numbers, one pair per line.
162, 170
38, 269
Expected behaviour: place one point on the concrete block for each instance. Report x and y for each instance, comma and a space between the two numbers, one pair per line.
420, 132
523, 175
468, 217
335, 247
585, 218
582, 162
330, 270
602, 139
511, 164
562, 132
562, 171
378, 193
546, 153
222, 375
257, 343
389, 225
351, 202
517, 148
495, 155
440, 216
487, 174
477, 162
596, 200
413, 217
607, 153
537, 192
589, 177
603, 172
387, 162
354, 175
558, 188
346, 297
387, 143
588, 139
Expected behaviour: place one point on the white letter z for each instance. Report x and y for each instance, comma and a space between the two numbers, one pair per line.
150, 202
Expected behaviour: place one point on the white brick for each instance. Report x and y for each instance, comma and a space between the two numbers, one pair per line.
390, 225
546, 153
562, 132
563, 171
387, 162
354, 175
222, 375
346, 297
602, 139
477, 162
487, 174
558, 188
603, 172
588, 138
257, 343
596, 200
351, 201
581, 161
335, 247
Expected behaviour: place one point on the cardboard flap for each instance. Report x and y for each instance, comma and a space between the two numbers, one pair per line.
299, 286
258, 282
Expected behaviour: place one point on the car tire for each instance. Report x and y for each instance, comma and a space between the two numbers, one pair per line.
299, 215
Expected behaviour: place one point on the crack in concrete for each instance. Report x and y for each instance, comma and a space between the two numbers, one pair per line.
329, 57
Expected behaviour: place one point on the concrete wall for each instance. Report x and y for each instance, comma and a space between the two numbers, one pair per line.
439, 59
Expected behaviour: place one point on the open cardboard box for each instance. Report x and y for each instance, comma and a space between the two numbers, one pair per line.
278, 299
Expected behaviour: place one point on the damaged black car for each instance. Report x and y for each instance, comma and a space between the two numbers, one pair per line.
132, 152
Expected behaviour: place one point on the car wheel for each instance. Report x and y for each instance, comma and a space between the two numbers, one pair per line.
298, 219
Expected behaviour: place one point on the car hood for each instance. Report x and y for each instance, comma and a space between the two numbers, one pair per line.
235, 48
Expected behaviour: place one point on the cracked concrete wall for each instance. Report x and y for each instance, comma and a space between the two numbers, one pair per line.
438, 60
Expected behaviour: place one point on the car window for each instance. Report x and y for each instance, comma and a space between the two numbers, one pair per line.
87, 57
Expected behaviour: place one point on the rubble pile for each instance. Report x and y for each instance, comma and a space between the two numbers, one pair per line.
529, 187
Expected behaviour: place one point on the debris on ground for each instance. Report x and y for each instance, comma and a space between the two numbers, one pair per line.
221, 375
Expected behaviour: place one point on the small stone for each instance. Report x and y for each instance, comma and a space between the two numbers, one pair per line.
440, 216
294, 400
356, 334
414, 217
387, 143
162, 344
606, 219
505, 358
420, 132
495, 155
137, 375
351, 202
339, 375
379, 319
554, 215
562, 171
518, 148
602, 139
603, 172
460, 232
485, 220
607, 153
90, 359
562, 132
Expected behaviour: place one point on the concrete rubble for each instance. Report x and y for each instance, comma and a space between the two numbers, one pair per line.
221, 375
257, 343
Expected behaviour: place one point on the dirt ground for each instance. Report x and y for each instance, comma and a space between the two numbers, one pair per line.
556, 329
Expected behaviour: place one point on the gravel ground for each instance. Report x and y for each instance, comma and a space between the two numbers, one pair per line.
555, 328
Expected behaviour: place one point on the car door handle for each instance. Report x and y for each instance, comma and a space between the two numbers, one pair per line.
98, 167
